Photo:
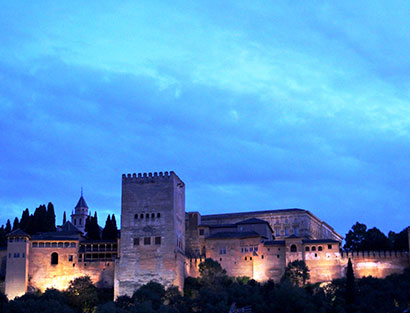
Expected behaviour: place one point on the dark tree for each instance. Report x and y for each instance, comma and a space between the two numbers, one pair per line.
400, 241
64, 218
211, 271
82, 294
356, 237
8, 227
376, 241
16, 224
3, 239
91, 228
51, 218
296, 273
25, 221
152, 293
350, 284
114, 227
107, 229
40, 219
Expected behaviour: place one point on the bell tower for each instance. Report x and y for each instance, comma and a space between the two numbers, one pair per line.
80, 214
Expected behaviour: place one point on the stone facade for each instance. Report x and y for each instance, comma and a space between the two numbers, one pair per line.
160, 242
152, 232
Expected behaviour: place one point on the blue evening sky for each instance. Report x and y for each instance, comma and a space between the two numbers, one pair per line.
256, 105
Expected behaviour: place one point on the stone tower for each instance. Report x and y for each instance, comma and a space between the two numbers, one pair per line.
80, 214
17, 264
152, 232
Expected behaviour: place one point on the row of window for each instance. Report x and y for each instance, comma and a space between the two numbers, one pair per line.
329, 247
146, 215
251, 249
54, 245
17, 255
147, 241
17, 239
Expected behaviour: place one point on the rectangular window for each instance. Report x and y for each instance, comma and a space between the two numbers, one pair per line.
54, 244
277, 234
35, 244
79, 221
255, 249
136, 241
75, 222
157, 240
70, 258
23, 255
222, 250
286, 231
10, 239
246, 249
147, 241
66, 244
60, 245
329, 247
48, 245
201, 232
241, 249
73, 245
41, 244
250, 249
296, 231
9, 255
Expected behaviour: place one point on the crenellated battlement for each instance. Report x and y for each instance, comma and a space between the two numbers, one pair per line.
374, 254
144, 177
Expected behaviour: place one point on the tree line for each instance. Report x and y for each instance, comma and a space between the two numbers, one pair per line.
359, 238
214, 291
44, 220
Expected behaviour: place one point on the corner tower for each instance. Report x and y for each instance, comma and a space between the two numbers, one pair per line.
80, 214
152, 232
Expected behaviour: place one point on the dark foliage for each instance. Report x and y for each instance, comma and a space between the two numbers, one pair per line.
16, 224
350, 286
297, 273
359, 238
64, 218
110, 230
91, 227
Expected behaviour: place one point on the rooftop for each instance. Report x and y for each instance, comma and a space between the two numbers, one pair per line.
229, 235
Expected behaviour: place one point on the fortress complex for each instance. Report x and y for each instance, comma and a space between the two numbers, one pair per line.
161, 242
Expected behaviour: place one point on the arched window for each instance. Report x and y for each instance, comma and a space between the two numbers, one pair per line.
293, 248
307, 249
320, 248
54, 258
136, 216
142, 216
153, 215
313, 248
158, 215
147, 215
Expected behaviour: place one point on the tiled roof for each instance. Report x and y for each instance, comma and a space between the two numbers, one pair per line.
319, 241
239, 214
252, 221
81, 203
69, 227
223, 235
218, 225
274, 243
57, 235
18, 233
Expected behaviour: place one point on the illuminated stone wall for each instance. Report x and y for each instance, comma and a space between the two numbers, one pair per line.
153, 206
43, 274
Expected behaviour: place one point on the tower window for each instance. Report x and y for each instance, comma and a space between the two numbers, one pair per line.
293, 248
75, 221
70, 258
157, 240
79, 221
136, 216
136, 241
313, 248
54, 258
147, 215
158, 215
320, 248
262, 257
201, 232
329, 247
147, 241
141, 216
153, 215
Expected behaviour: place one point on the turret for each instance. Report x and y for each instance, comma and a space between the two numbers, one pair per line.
17, 264
80, 214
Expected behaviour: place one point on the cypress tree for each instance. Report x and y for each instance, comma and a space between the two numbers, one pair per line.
64, 218
114, 227
51, 217
16, 224
8, 227
40, 219
25, 221
350, 286
3, 240
106, 233
93, 230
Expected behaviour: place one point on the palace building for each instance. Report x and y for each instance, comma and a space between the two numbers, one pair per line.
162, 242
